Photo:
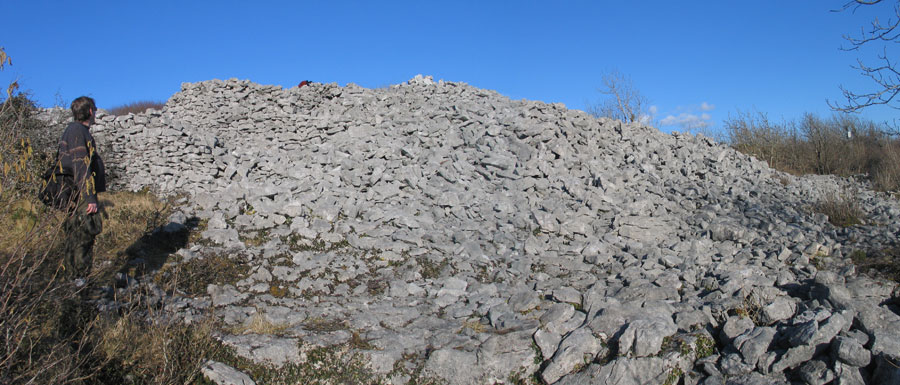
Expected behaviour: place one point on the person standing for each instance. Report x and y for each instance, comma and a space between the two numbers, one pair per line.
78, 156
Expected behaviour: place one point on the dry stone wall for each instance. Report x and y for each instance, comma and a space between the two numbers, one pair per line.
483, 239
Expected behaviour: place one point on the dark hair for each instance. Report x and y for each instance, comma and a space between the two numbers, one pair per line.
82, 107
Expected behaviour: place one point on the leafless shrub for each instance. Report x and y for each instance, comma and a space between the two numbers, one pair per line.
777, 144
623, 100
841, 145
886, 167
43, 327
135, 107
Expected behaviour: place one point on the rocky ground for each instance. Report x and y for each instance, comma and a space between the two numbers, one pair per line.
447, 232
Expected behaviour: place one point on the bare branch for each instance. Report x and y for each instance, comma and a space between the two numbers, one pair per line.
855, 4
885, 75
624, 101
879, 32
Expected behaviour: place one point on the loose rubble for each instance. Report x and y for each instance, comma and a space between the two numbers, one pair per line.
480, 239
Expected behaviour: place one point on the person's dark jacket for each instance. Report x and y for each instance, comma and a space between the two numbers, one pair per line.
79, 157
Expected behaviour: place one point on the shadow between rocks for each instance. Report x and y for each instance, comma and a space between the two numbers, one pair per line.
151, 251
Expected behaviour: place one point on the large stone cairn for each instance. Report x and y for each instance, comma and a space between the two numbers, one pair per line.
482, 239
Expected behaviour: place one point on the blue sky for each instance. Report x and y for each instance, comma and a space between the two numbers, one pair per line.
700, 60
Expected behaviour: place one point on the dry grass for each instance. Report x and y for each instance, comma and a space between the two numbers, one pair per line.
28, 225
259, 324
127, 216
879, 263
320, 324
129, 222
475, 325
192, 277
842, 210
50, 335
153, 353
135, 107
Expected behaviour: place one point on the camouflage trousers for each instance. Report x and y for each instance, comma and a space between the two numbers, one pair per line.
80, 229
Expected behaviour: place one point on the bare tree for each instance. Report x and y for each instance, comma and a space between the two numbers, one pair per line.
884, 73
623, 101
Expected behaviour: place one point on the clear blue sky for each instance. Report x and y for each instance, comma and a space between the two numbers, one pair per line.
689, 58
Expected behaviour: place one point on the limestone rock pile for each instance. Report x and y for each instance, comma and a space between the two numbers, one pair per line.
481, 239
